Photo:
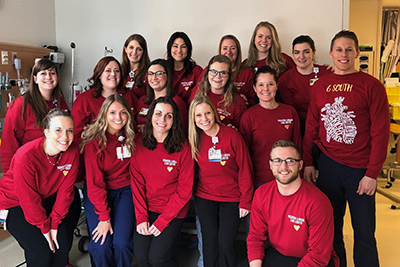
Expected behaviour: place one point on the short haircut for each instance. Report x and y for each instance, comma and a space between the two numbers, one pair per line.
346, 34
286, 143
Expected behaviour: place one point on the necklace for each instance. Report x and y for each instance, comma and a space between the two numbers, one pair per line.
58, 160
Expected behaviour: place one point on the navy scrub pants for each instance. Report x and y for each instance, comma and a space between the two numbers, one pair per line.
340, 184
117, 250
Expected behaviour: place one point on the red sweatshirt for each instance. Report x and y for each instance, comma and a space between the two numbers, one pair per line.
143, 108
349, 120
299, 225
295, 88
131, 85
261, 128
262, 62
231, 179
161, 183
86, 108
104, 171
17, 131
183, 85
32, 181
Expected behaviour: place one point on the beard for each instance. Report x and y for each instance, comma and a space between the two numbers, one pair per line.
293, 177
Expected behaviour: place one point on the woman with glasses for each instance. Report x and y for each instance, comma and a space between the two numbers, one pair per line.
135, 61
267, 122
162, 181
217, 84
224, 188
295, 84
24, 116
186, 74
159, 83
265, 50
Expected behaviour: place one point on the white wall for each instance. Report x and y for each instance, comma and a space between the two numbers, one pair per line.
28, 22
94, 24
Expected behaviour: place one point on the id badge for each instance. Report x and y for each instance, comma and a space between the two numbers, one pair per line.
312, 81
3, 218
214, 155
143, 112
130, 85
125, 151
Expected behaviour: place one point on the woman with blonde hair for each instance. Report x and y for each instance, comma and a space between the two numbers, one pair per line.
229, 46
217, 84
107, 145
24, 116
224, 188
265, 50
135, 61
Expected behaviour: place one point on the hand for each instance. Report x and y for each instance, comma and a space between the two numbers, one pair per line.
101, 231
53, 234
79, 185
309, 174
243, 213
232, 126
143, 228
329, 67
154, 231
367, 186
256, 263
50, 241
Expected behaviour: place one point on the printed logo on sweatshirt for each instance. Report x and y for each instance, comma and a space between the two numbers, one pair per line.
286, 123
239, 85
296, 221
170, 163
187, 85
65, 168
338, 122
223, 113
341, 87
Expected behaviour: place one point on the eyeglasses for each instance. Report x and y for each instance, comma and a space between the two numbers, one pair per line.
157, 73
221, 73
289, 161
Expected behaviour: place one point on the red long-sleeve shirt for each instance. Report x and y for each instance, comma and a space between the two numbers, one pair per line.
261, 128
262, 62
161, 183
183, 85
349, 120
104, 171
86, 108
295, 88
18, 131
33, 181
231, 179
299, 225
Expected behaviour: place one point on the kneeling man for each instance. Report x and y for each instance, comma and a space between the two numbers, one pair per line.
294, 214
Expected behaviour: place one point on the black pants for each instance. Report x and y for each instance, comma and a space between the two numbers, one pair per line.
160, 251
219, 225
275, 259
34, 244
340, 183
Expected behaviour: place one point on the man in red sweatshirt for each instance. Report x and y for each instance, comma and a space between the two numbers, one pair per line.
348, 119
294, 214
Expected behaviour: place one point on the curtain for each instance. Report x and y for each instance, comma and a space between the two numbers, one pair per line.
390, 31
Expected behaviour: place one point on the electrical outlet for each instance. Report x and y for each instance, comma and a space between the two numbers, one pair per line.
4, 57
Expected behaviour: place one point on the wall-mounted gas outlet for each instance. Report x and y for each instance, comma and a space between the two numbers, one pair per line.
13, 56
4, 58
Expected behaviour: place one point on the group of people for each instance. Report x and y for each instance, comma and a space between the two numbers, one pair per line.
150, 134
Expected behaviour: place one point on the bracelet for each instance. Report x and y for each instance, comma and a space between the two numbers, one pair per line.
105, 221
